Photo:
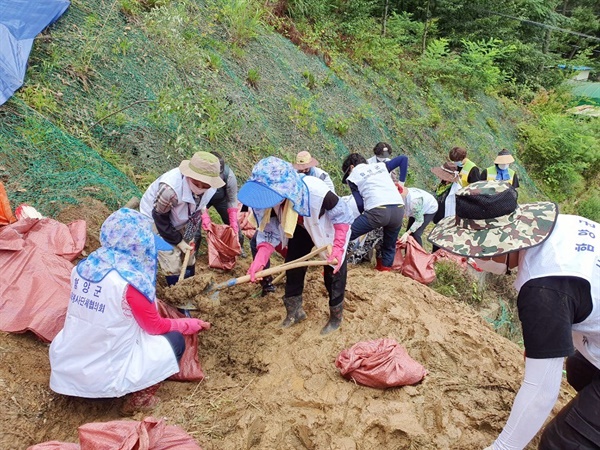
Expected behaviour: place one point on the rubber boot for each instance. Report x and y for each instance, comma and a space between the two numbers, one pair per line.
335, 318
295, 313
267, 285
144, 400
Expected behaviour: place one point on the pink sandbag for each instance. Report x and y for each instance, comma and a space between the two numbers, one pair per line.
149, 434
245, 226
35, 270
189, 366
412, 261
381, 363
223, 246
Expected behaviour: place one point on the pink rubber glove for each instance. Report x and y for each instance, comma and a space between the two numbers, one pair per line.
339, 241
260, 260
206, 223
189, 326
233, 219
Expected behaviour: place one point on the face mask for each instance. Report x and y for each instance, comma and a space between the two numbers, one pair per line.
489, 265
459, 164
502, 166
195, 189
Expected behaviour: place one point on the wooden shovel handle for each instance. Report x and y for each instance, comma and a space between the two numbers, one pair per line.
186, 259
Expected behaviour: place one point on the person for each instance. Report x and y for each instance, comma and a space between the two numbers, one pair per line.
378, 200
469, 172
298, 213
306, 164
225, 202
500, 171
445, 192
420, 208
177, 202
558, 284
113, 341
382, 152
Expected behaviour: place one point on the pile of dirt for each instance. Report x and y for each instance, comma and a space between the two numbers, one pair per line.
274, 388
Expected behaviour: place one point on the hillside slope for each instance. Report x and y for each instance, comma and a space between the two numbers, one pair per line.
148, 90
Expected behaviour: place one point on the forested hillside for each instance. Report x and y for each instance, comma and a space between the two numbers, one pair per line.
142, 84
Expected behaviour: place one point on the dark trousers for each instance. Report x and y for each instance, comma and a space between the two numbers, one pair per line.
177, 342
427, 218
388, 217
300, 245
577, 425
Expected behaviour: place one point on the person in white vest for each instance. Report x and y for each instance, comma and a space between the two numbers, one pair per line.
298, 213
558, 281
420, 208
306, 164
382, 152
177, 202
378, 200
113, 341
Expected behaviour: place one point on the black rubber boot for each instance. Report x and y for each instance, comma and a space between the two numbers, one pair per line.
267, 285
295, 313
335, 318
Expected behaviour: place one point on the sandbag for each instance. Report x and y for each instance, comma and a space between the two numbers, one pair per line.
189, 366
245, 226
381, 363
6, 214
223, 246
443, 255
413, 261
149, 434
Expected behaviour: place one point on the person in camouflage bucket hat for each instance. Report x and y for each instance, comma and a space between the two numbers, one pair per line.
489, 222
558, 280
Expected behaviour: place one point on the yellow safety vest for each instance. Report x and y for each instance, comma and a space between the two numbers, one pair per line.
492, 172
464, 172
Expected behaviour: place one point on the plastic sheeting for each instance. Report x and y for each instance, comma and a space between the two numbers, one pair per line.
381, 363
20, 22
149, 434
223, 247
35, 271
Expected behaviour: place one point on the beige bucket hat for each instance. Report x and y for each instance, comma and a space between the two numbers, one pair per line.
304, 160
203, 166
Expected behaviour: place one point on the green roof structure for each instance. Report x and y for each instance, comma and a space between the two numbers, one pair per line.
587, 93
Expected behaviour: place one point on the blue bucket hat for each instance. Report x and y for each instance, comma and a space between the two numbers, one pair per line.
272, 181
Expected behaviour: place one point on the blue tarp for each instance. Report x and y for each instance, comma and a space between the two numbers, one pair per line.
20, 22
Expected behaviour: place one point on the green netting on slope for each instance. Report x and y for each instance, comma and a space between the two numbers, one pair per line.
42, 166
170, 83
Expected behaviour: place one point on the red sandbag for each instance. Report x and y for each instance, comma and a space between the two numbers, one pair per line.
412, 261
35, 271
189, 366
243, 219
149, 434
381, 363
223, 246
6, 214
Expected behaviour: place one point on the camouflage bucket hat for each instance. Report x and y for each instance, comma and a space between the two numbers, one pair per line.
489, 222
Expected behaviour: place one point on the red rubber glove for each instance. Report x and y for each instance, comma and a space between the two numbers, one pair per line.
233, 219
206, 223
189, 326
339, 241
260, 260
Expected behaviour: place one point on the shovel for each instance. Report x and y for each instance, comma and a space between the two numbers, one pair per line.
212, 290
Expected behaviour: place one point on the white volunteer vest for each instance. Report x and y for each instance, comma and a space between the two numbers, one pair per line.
101, 350
185, 207
430, 205
375, 185
322, 175
320, 229
573, 249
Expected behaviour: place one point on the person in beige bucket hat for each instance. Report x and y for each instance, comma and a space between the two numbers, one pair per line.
558, 284
306, 164
500, 171
177, 202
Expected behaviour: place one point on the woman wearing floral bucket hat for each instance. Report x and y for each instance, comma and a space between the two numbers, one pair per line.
558, 280
298, 213
177, 202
